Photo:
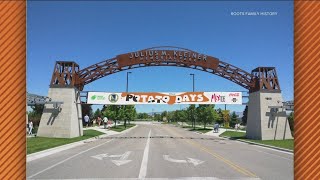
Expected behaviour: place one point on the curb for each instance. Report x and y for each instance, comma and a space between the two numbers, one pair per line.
258, 144
47, 152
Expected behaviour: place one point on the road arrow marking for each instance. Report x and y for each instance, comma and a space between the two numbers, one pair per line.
120, 162
193, 161
115, 156
123, 158
100, 156
125, 155
166, 157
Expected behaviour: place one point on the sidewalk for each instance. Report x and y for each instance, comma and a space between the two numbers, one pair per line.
216, 134
101, 129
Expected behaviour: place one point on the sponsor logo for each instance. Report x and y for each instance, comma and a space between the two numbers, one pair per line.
218, 98
113, 98
97, 97
234, 94
234, 100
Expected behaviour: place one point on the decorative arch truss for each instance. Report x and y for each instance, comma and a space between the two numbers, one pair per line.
157, 56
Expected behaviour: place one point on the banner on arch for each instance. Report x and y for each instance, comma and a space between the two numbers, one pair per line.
136, 98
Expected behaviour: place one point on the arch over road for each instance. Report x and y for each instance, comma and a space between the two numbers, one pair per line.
68, 80
68, 74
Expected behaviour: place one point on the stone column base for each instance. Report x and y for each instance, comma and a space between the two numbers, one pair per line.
261, 123
65, 122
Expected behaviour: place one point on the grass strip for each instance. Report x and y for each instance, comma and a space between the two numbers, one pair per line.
36, 144
286, 143
202, 130
234, 134
120, 128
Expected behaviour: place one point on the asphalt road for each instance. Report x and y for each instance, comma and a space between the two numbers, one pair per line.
158, 151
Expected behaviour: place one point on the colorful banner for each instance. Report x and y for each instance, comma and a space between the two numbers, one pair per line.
164, 98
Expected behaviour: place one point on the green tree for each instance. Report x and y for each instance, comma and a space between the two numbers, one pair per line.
233, 119
111, 112
164, 115
97, 113
157, 117
38, 108
206, 114
104, 107
180, 116
87, 110
291, 122
176, 116
143, 116
183, 116
219, 119
35, 114
121, 113
216, 117
170, 117
191, 110
226, 118
245, 116
130, 113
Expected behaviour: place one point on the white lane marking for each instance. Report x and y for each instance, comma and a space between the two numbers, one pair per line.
195, 162
167, 158
50, 167
144, 163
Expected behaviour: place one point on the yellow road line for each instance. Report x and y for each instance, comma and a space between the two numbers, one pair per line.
209, 151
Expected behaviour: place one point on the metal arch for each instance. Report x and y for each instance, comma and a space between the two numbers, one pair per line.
68, 73
224, 70
110, 66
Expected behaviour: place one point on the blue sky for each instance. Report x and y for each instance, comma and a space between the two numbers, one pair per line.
90, 32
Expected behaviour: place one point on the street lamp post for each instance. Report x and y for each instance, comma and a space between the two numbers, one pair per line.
127, 81
125, 121
193, 120
192, 82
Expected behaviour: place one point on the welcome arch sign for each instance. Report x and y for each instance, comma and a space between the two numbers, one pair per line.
68, 79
